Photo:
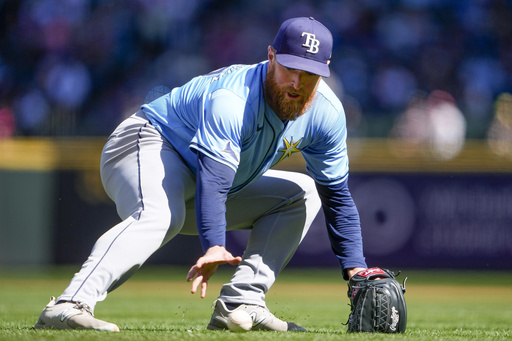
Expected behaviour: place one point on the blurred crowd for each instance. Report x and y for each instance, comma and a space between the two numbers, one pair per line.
77, 67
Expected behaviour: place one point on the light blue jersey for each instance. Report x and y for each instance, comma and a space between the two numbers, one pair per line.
223, 114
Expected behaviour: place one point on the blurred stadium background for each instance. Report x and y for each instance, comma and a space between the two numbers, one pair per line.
426, 85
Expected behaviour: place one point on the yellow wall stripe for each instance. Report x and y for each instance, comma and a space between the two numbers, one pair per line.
366, 155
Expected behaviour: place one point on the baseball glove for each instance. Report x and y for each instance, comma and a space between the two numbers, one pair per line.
377, 302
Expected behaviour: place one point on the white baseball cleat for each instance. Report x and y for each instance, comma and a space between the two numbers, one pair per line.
71, 315
262, 318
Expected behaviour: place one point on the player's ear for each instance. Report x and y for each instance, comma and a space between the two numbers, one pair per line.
271, 54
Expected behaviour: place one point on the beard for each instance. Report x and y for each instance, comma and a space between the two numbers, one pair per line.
286, 108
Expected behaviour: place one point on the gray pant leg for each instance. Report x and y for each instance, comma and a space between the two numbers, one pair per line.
279, 208
149, 183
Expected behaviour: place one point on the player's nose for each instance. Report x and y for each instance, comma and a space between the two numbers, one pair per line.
297, 80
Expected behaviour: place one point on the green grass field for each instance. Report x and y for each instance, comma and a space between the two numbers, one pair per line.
156, 304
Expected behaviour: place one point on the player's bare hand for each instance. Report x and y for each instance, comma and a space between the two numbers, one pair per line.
206, 266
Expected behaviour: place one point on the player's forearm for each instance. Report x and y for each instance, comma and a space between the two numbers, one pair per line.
213, 183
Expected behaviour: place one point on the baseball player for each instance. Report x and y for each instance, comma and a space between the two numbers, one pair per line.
198, 161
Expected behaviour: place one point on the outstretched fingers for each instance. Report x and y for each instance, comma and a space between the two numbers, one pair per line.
206, 266
198, 277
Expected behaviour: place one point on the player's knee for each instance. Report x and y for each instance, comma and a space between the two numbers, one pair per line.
308, 186
311, 194
307, 194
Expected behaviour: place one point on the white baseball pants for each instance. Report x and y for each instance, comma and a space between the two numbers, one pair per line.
153, 190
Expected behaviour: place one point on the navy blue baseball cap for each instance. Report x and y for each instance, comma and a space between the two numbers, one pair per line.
304, 44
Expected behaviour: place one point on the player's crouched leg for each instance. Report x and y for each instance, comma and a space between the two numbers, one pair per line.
282, 206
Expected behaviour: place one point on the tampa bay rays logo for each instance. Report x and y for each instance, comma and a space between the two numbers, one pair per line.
311, 42
290, 148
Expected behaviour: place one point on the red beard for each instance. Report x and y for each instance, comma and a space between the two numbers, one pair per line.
277, 99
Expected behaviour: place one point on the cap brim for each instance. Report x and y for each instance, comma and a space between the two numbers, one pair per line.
301, 63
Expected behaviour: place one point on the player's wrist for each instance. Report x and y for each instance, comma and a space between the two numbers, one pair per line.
215, 248
352, 271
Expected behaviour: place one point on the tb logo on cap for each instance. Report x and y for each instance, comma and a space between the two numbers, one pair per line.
311, 42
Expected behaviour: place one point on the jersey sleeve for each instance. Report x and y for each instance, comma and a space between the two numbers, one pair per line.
326, 158
343, 225
220, 129
214, 180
